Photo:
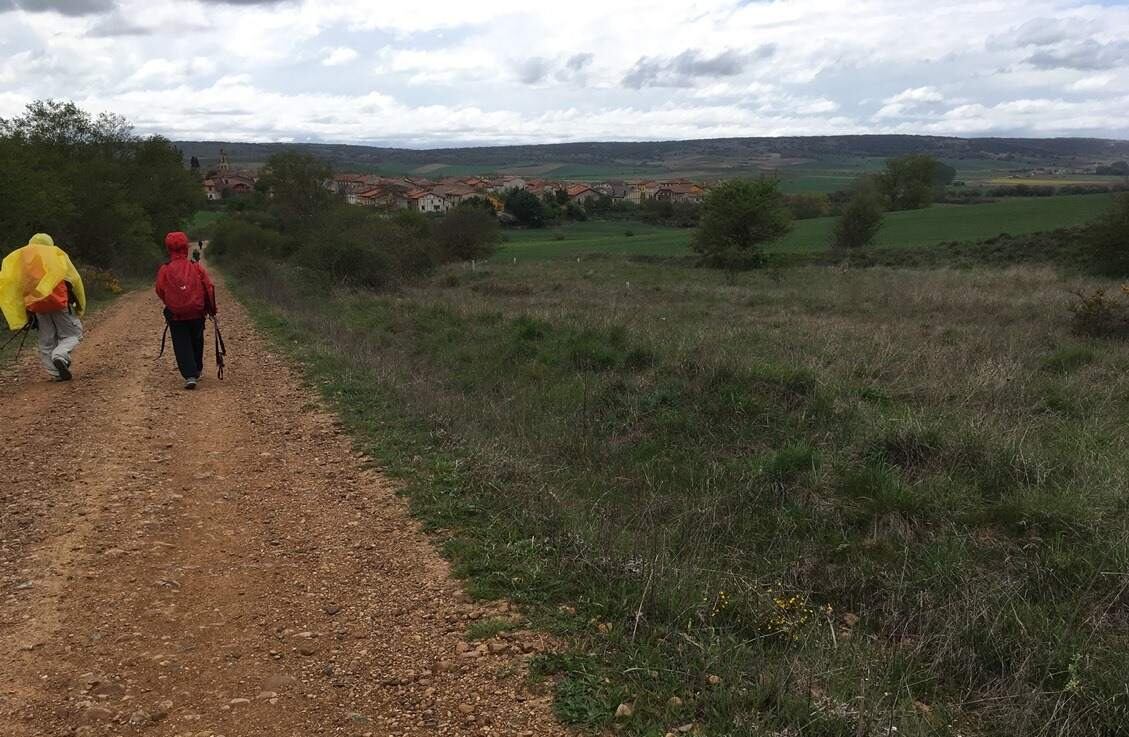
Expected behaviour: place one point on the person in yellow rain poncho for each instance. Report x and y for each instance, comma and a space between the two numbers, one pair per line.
40, 285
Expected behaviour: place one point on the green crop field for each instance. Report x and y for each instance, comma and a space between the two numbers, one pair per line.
932, 225
908, 229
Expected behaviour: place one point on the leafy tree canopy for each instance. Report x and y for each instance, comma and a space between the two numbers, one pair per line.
104, 194
908, 182
737, 218
525, 206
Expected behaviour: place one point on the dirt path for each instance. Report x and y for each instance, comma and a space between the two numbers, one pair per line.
221, 562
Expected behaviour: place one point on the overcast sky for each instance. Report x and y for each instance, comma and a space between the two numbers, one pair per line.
455, 72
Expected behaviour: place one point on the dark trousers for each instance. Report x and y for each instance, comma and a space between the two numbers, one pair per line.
188, 345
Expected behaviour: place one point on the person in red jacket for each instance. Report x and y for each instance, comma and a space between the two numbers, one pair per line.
189, 296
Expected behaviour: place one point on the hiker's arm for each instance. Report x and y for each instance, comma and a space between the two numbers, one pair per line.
75, 280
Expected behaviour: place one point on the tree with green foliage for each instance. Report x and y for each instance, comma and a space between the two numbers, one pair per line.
943, 174
807, 205
478, 203
467, 233
909, 182
861, 219
525, 206
1110, 239
296, 182
575, 211
737, 218
105, 194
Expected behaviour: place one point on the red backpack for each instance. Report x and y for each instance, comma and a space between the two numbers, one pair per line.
184, 290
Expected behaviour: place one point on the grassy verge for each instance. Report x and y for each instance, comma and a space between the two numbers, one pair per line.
807, 501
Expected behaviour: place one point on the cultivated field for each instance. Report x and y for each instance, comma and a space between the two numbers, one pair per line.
807, 501
913, 228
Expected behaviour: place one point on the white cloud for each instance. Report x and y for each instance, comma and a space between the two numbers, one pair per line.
472, 73
338, 56
916, 94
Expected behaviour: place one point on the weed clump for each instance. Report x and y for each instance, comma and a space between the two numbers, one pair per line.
1095, 314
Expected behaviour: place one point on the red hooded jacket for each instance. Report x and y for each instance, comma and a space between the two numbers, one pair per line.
183, 285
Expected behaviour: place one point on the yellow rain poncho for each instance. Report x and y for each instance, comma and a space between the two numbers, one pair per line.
30, 274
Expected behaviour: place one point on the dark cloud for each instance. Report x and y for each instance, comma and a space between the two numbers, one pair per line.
534, 69
577, 62
1088, 55
690, 65
64, 7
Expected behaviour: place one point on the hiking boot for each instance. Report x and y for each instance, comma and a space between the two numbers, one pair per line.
190, 383
63, 368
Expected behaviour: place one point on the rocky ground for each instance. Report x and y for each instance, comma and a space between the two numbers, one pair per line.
222, 563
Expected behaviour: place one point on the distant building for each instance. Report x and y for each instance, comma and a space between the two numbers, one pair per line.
507, 184
223, 182
680, 191
581, 193
454, 194
218, 187
615, 189
423, 200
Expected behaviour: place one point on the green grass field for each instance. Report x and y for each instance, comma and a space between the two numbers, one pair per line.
908, 229
806, 501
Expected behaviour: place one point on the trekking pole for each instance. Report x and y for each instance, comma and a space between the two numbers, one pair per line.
221, 348
24, 331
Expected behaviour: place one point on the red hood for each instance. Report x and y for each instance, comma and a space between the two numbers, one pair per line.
177, 243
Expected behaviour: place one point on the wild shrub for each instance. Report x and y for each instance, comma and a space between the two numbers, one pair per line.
1097, 315
467, 233
575, 211
99, 283
243, 243
860, 221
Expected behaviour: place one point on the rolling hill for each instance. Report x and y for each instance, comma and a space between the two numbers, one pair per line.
717, 157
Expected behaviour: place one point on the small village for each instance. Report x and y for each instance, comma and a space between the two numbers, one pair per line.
426, 195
